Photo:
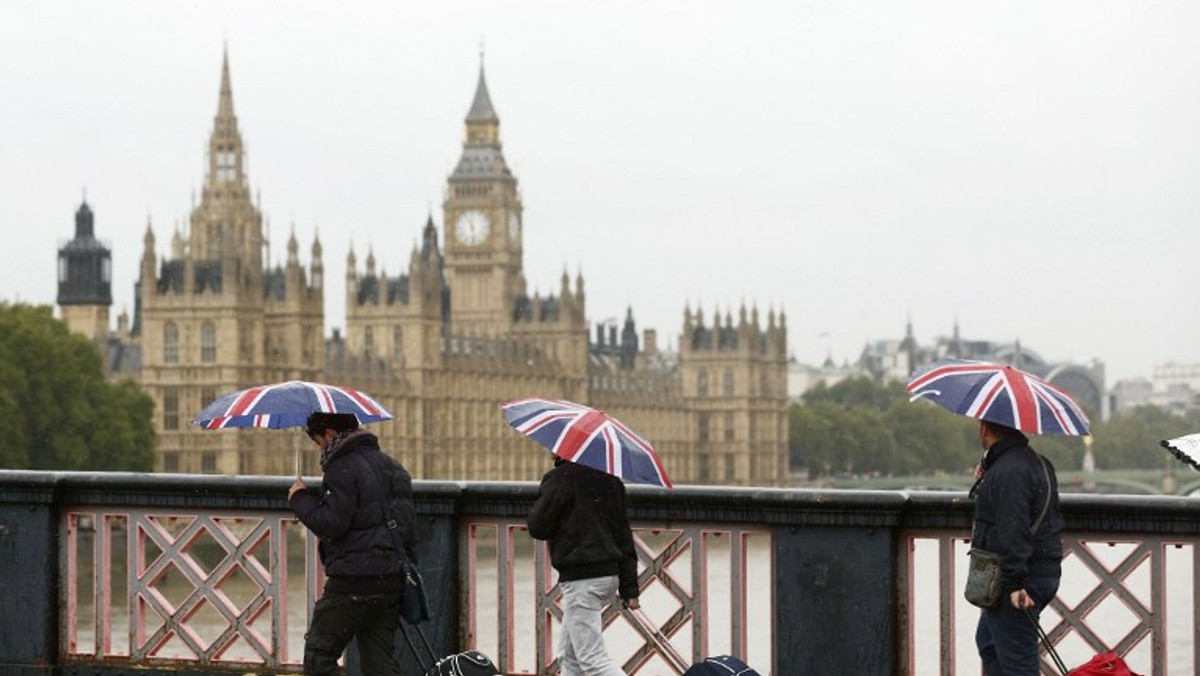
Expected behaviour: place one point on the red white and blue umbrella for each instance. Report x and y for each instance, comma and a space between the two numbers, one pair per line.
587, 436
1000, 394
287, 404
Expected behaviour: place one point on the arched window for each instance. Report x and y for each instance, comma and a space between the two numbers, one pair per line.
727, 383
170, 343
170, 410
368, 342
397, 344
702, 383
208, 343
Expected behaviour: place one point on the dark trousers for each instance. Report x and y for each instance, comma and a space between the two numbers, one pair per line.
1007, 640
338, 618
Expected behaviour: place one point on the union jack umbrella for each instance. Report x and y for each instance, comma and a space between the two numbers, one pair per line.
287, 404
1000, 394
587, 436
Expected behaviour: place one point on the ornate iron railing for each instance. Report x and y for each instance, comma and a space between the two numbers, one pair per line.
102, 573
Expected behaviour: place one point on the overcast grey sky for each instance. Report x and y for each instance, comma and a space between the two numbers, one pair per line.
1029, 168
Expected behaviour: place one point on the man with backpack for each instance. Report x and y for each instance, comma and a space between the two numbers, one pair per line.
364, 577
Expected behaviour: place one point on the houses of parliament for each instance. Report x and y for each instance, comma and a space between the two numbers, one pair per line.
441, 345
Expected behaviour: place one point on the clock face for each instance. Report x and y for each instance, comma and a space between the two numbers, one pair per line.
472, 227
514, 228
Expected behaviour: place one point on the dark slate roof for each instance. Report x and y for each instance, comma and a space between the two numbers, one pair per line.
171, 276
123, 358
275, 284
208, 276
481, 107
368, 290
481, 162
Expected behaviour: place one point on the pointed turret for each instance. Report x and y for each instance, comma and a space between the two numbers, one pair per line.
481, 107
482, 157
84, 265
293, 248
225, 105
84, 224
317, 266
429, 240
225, 144
85, 279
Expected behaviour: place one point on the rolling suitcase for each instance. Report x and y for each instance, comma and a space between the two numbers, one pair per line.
466, 663
719, 665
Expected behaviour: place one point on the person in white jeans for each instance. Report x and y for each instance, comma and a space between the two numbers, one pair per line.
580, 511
581, 644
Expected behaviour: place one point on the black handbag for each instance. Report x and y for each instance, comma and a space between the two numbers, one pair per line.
983, 573
414, 604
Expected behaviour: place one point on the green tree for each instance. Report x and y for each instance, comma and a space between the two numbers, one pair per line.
1129, 440
61, 413
1065, 452
931, 439
827, 438
860, 392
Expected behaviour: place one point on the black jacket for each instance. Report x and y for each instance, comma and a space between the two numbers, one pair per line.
581, 512
1010, 496
356, 548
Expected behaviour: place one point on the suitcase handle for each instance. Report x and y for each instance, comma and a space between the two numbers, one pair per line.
1058, 662
655, 636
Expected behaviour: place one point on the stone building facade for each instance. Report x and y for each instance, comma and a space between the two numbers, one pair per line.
442, 345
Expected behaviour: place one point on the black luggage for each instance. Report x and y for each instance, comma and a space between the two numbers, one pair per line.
721, 665
467, 663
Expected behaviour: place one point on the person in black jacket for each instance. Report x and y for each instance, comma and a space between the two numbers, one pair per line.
361, 598
1016, 516
581, 512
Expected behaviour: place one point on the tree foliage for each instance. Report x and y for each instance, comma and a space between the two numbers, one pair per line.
860, 427
60, 412
1130, 439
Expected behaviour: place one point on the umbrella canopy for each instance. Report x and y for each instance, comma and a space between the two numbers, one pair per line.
587, 436
1000, 394
287, 404
1185, 449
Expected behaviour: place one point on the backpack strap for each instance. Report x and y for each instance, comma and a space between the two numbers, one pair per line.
1037, 524
390, 519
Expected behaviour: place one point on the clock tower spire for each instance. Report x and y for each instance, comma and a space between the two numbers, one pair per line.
482, 217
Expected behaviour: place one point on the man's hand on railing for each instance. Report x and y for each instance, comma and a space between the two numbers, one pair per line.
297, 485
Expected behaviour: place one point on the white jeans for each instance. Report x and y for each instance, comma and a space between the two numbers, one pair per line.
581, 643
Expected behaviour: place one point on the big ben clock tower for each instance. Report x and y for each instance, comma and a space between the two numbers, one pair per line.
482, 218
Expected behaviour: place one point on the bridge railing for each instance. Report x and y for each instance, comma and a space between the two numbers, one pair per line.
105, 573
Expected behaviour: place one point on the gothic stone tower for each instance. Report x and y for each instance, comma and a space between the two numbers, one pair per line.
214, 318
734, 381
443, 344
85, 280
482, 220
